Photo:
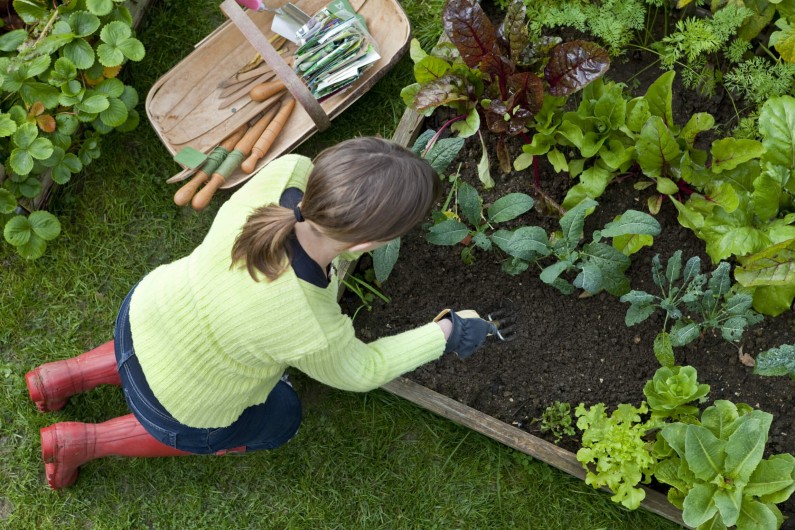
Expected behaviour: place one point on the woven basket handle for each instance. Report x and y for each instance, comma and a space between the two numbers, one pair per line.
296, 87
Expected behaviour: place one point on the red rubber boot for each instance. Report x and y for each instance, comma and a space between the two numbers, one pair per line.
50, 385
67, 445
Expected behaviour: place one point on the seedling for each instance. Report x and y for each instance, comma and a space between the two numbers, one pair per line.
557, 420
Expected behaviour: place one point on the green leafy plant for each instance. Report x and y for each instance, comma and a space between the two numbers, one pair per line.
671, 390
58, 77
364, 288
497, 76
615, 452
694, 302
557, 420
713, 463
777, 361
716, 468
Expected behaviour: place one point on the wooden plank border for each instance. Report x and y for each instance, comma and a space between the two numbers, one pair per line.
406, 132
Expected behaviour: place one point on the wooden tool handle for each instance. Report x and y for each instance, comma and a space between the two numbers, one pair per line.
268, 136
263, 91
186, 192
203, 197
247, 142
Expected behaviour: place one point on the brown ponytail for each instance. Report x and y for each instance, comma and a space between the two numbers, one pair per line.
361, 190
262, 244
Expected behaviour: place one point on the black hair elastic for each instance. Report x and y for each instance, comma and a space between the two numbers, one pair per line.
297, 213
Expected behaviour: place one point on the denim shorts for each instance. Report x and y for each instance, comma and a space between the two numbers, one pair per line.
264, 426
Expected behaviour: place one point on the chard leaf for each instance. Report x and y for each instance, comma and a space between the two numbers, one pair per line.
657, 148
637, 114
469, 126
449, 232
728, 153
572, 65
632, 222
766, 196
593, 182
774, 265
723, 194
659, 96
447, 90
470, 202
430, 69
777, 126
698, 122
773, 301
514, 27
509, 207
777, 361
470, 29
384, 259
416, 52
784, 40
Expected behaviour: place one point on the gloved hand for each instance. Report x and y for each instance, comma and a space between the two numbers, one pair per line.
469, 331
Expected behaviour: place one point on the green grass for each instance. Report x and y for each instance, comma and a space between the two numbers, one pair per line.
359, 460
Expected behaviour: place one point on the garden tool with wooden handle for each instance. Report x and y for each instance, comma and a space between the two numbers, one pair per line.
232, 160
470, 330
214, 159
263, 144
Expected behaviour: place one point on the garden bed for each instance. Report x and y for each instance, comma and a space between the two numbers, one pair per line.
568, 348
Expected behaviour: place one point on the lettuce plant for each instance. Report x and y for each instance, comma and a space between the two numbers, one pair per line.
615, 452
60, 92
496, 75
671, 389
694, 302
716, 468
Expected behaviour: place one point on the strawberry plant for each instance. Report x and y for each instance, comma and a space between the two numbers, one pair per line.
59, 67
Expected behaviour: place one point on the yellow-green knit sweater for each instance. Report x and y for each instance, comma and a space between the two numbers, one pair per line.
211, 341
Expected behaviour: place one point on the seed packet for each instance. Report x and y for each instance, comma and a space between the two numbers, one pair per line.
336, 48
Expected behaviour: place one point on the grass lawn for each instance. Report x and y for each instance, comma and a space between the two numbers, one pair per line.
359, 460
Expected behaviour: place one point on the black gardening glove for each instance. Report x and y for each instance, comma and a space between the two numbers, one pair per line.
469, 332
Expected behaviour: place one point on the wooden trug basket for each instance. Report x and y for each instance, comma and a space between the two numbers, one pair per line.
183, 104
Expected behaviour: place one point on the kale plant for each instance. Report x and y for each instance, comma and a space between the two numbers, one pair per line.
694, 302
777, 361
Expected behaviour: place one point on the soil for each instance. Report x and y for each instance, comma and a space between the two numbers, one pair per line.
569, 348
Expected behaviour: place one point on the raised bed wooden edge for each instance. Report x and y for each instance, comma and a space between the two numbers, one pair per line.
406, 132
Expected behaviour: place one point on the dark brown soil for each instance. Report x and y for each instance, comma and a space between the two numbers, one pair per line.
570, 349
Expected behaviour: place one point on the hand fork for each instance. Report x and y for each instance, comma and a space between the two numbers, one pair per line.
505, 323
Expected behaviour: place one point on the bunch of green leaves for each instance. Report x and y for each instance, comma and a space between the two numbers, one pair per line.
694, 302
699, 44
777, 361
717, 472
59, 94
615, 452
613, 22
671, 390
364, 287
496, 75
592, 143
557, 420
747, 209
596, 266
467, 219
